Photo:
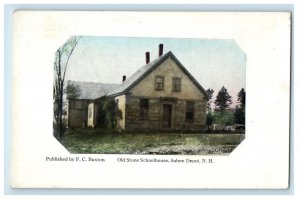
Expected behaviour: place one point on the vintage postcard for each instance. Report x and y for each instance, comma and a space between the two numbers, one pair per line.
150, 100
161, 108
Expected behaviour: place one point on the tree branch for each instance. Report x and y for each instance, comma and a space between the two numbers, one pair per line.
64, 74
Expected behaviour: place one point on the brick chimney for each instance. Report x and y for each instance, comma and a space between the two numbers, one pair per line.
147, 57
160, 50
124, 78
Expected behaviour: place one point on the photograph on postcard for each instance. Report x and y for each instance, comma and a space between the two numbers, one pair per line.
122, 95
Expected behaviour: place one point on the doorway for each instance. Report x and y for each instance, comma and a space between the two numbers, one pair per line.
167, 116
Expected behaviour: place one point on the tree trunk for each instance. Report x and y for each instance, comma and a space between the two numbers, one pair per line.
61, 112
59, 84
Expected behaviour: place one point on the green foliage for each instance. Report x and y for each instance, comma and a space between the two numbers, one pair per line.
242, 97
108, 114
225, 118
72, 91
223, 100
239, 114
209, 93
93, 142
209, 118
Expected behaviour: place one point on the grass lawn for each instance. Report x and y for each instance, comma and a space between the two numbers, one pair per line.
93, 141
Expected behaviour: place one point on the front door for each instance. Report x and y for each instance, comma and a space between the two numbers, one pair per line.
167, 115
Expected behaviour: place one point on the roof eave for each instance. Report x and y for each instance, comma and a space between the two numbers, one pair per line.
78, 99
117, 94
164, 57
190, 75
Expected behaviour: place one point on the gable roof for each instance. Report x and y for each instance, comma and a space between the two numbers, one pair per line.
146, 69
92, 90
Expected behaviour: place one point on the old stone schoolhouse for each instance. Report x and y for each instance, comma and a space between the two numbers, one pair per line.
160, 96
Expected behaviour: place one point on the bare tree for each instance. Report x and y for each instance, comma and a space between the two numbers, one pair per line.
62, 58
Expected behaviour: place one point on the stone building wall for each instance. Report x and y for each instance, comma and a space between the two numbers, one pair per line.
77, 113
165, 98
153, 121
198, 123
168, 69
133, 119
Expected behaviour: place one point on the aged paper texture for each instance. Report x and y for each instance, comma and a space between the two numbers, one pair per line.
261, 161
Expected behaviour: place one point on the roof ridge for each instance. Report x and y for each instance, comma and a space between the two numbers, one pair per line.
148, 68
139, 74
92, 90
91, 82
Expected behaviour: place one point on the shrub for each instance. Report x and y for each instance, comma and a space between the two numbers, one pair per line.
226, 118
239, 116
108, 114
209, 118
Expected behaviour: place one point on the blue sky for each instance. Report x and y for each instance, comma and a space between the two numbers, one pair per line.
213, 62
